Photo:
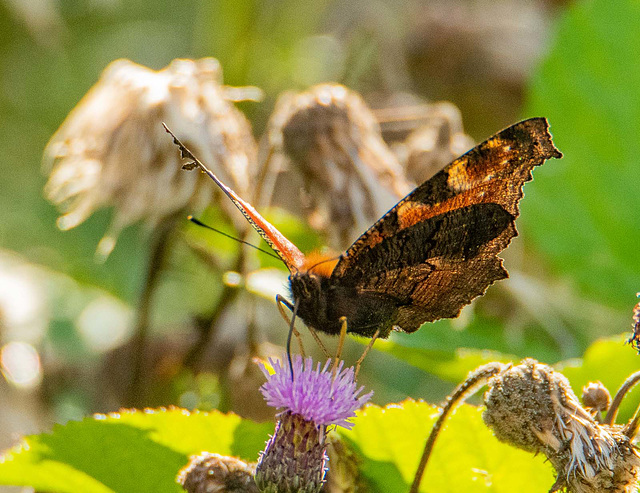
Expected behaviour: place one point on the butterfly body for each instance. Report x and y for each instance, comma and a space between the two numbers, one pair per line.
322, 303
431, 254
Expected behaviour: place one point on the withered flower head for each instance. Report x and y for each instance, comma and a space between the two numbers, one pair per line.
112, 150
294, 459
214, 473
532, 407
333, 143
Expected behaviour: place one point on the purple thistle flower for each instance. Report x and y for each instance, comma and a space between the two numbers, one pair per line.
295, 458
320, 395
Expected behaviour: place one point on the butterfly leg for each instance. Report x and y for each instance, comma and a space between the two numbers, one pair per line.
282, 302
343, 336
365, 352
320, 344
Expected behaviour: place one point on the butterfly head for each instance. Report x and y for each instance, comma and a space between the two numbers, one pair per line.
309, 290
308, 282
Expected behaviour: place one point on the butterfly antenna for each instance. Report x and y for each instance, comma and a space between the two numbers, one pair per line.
200, 223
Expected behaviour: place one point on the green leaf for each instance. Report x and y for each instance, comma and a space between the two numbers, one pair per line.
446, 352
466, 456
452, 366
138, 451
143, 451
582, 211
608, 360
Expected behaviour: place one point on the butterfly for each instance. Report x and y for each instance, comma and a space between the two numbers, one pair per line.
429, 256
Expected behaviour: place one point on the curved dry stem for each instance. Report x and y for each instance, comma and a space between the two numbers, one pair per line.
474, 381
628, 384
631, 428
159, 250
208, 327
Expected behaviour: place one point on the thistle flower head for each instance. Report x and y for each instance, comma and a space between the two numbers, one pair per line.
320, 395
311, 399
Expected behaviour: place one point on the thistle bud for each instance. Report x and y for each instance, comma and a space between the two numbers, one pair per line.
214, 473
345, 475
596, 398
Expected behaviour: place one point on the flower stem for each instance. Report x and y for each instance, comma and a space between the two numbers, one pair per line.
628, 384
474, 381
160, 247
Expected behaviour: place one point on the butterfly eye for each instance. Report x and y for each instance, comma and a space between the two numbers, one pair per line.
306, 285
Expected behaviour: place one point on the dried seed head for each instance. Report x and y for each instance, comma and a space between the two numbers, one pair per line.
112, 150
335, 148
532, 407
213, 473
596, 398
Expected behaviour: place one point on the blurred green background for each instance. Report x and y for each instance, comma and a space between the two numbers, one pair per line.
574, 267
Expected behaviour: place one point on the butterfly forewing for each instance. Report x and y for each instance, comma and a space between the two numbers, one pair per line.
437, 249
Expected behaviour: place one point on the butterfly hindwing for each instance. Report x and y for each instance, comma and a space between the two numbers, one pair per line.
437, 249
